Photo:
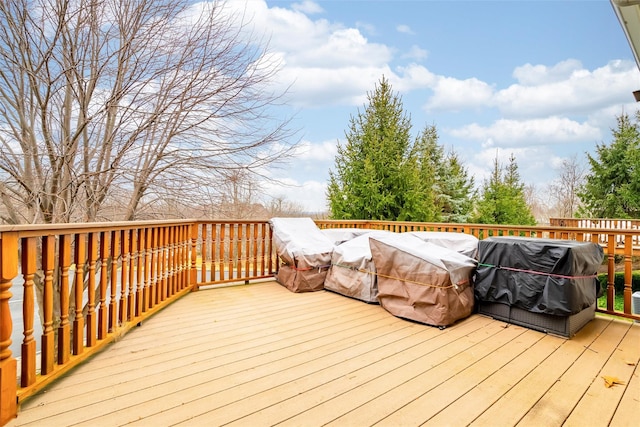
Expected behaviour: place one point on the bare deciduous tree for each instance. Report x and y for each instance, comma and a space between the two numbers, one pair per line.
564, 189
111, 105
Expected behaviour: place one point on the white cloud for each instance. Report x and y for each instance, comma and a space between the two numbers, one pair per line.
454, 94
322, 86
320, 152
535, 75
308, 7
405, 29
566, 89
534, 132
416, 53
311, 195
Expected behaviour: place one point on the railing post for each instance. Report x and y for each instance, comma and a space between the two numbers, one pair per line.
8, 364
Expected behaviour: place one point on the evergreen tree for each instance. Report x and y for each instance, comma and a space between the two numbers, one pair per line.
374, 172
612, 187
503, 200
380, 174
456, 191
428, 158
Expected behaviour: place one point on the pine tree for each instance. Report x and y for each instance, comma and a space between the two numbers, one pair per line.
456, 191
612, 187
373, 172
502, 200
380, 174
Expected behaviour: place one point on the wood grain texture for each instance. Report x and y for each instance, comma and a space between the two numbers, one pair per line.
257, 355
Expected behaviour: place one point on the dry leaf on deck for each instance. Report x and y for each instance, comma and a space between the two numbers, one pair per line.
611, 381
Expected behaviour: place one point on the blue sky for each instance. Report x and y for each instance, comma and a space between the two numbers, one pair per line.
542, 80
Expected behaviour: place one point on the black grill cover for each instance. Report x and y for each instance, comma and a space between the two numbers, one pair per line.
539, 275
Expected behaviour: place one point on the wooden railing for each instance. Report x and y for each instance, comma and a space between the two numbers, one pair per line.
613, 225
74, 288
118, 274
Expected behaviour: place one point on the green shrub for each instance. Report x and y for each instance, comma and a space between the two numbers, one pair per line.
619, 282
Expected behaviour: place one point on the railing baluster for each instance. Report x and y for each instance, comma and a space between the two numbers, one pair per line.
48, 335
239, 252
162, 264
203, 255
28, 362
255, 249
124, 277
171, 249
91, 296
231, 255
220, 249
153, 291
628, 274
194, 253
215, 267
611, 271
113, 301
78, 319
140, 297
64, 330
133, 258
103, 317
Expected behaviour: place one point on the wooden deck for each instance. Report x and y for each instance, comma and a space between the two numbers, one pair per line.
259, 355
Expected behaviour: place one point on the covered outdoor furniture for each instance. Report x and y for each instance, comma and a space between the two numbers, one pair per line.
352, 271
466, 244
304, 252
421, 281
340, 235
544, 284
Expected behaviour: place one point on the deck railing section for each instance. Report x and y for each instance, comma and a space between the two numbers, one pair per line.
232, 251
602, 223
74, 288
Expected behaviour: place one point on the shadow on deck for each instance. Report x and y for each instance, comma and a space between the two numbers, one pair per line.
259, 355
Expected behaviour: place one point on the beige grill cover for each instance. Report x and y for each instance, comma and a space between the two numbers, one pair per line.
305, 253
352, 271
421, 281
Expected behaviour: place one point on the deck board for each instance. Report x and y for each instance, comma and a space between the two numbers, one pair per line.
259, 355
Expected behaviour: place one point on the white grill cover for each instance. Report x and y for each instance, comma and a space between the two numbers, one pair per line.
340, 235
352, 271
304, 251
466, 244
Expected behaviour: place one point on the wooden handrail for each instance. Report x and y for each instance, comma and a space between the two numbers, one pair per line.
109, 277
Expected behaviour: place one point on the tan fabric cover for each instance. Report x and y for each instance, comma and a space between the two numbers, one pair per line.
415, 280
304, 252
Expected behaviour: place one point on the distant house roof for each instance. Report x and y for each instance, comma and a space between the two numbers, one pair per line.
628, 12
